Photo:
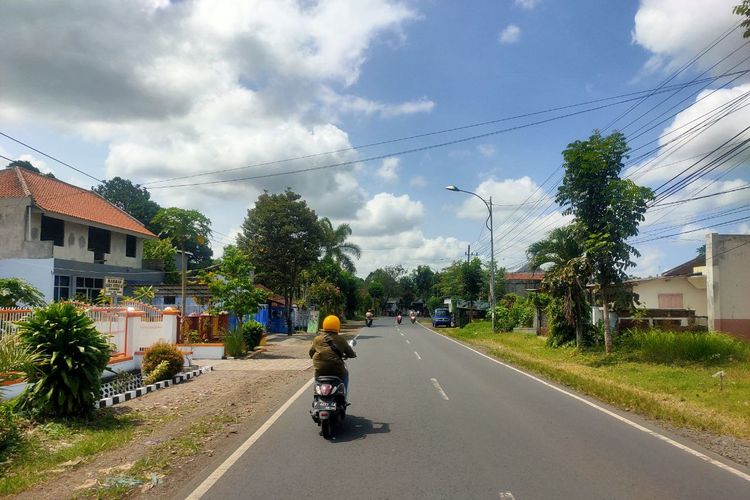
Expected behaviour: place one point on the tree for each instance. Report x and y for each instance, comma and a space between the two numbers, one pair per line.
132, 198
607, 211
283, 238
164, 251
377, 292
743, 9
335, 245
28, 166
231, 283
565, 278
701, 250
407, 292
15, 292
182, 225
471, 282
424, 280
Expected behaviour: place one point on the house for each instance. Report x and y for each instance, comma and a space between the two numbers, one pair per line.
521, 283
713, 290
64, 239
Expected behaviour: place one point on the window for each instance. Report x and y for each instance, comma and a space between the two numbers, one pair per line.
130, 246
670, 301
170, 300
99, 240
53, 230
88, 288
62, 288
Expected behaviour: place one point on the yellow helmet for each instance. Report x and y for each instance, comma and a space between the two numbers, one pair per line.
331, 324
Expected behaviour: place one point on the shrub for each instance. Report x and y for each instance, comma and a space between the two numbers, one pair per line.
72, 355
9, 434
513, 311
234, 343
161, 372
162, 351
669, 347
253, 332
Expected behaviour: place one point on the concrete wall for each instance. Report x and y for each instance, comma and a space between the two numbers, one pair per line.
38, 272
728, 283
692, 297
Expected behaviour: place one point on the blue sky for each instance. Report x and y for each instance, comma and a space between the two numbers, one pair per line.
151, 91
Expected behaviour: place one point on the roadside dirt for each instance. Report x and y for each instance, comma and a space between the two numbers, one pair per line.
189, 427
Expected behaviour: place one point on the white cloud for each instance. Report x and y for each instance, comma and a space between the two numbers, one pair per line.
510, 34
486, 150
386, 214
526, 4
674, 31
418, 181
174, 89
388, 169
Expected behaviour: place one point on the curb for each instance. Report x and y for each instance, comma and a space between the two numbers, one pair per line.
136, 393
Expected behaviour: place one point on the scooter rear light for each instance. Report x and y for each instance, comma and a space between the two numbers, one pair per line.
325, 389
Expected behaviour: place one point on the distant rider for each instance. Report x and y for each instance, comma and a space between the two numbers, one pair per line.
326, 360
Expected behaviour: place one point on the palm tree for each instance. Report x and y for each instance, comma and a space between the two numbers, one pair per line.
336, 247
567, 274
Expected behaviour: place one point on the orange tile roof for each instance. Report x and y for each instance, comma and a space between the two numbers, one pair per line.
54, 196
537, 276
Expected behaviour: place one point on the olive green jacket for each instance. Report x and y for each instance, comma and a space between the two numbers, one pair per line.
327, 362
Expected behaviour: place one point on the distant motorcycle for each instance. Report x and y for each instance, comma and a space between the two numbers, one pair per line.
329, 402
398, 319
413, 318
368, 319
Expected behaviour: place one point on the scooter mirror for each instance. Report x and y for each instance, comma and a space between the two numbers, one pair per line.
352, 342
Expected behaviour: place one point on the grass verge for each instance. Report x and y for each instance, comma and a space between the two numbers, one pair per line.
54, 446
684, 394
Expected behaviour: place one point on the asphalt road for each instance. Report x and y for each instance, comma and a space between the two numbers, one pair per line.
432, 419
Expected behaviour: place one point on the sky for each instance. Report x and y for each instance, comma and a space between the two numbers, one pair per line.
369, 108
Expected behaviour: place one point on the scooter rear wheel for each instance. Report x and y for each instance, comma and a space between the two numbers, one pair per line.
326, 428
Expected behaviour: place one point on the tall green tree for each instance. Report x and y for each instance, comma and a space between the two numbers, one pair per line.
743, 10
283, 237
565, 278
607, 211
15, 292
132, 198
231, 283
181, 225
423, 278
335, 245
472, 282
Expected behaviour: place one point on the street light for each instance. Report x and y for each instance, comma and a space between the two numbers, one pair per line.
487, 204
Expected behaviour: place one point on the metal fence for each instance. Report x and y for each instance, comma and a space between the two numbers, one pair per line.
9, 317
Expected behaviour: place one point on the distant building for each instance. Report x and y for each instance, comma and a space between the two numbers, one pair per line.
64, 239
521, 283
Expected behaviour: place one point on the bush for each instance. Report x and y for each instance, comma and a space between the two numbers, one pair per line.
9, 434
234, 343
162, 351
669, 347
253, 332
513, 311
161, 372
72, 355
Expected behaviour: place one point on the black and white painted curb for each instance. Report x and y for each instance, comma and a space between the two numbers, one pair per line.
127, 396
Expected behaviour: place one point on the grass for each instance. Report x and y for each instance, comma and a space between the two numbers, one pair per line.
682, 392
53, 446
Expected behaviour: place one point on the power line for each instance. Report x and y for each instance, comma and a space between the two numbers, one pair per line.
50, 157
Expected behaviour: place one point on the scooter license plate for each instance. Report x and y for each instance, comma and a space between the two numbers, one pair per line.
325, 405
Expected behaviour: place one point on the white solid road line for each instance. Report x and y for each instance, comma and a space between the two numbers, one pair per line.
203, 488
439, 389
417, 355
612, 414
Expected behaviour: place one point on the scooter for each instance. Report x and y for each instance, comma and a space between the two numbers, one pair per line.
398, 319
413, 318
329, 402
368, 321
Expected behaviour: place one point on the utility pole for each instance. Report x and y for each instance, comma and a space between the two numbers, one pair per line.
469, 255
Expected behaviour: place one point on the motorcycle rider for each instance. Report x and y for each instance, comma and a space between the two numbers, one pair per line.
328, 350
368, 317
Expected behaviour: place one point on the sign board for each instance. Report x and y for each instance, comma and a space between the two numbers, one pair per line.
312, 321
113, 285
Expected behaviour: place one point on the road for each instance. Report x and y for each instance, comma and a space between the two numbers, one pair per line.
432, 419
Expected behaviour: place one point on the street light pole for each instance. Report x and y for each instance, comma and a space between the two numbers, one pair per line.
487, 204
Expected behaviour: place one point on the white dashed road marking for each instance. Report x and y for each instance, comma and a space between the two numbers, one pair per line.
417, 355
439, 389
507, 495
407, 341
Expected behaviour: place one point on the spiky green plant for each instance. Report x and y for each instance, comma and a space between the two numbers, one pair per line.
72, 355
15, 358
